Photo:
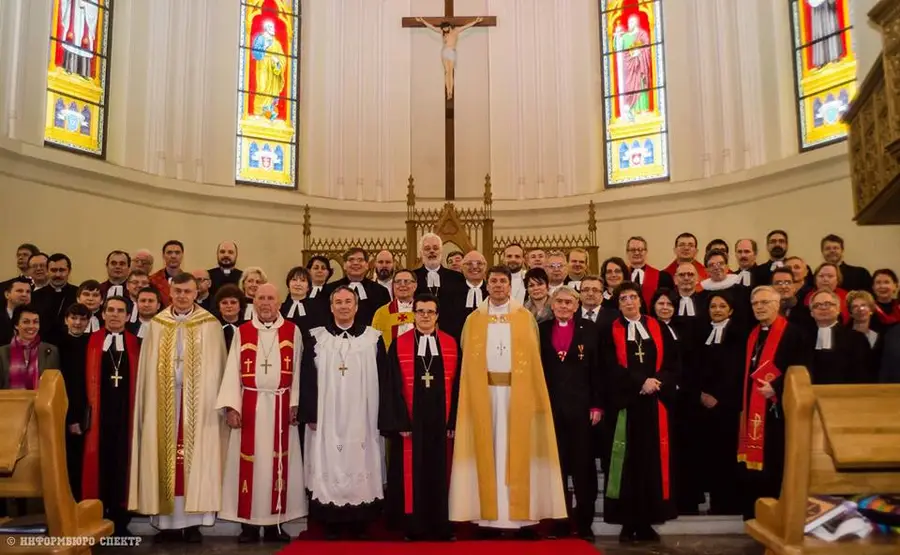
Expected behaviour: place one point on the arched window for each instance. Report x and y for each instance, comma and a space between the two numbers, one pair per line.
634, 94
825, 69
268, 84
78, 75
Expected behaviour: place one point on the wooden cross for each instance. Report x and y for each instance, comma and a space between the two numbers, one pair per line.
448, 58
266, 366
427, 377
640, 352
116, 378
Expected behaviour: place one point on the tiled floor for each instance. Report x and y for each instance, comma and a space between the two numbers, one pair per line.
672, 545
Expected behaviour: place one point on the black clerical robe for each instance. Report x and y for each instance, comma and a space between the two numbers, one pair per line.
419, 397
110, 386
376, 297
739, 297
6, 327
311, 316
855, 278
770, 352
576, 385
639, 489
848, 360
72, 352
218, 278
453, 287
52, 305
717, 371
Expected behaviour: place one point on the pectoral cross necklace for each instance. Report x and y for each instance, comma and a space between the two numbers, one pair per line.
116, 377
343, 353
266, 352
640, 350
427, 377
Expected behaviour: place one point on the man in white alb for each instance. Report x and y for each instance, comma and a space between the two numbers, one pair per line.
260, 393
507, 475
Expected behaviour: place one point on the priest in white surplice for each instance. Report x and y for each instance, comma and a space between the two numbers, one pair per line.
507, 475
179, 434
260, 393
339, 405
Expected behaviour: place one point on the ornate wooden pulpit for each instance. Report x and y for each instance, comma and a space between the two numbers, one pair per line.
33, 465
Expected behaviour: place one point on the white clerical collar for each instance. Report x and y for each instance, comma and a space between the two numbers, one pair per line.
427, 345
562, 323
404, 306
57, 289
184, 316
343, 330
93, 324
635, 327
226, 271
686, 306
316, 289
709, 285
498, 309
744, 277
715, 336
113, 337
776, 264
824, 338
297, 309
115, 290
359, 288
258, 324
637, 275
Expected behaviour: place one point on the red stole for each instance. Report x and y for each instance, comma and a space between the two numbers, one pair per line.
752, 440
884, 317
90, 472
249, 345
619, 338
649, 284
406, 355
842, 295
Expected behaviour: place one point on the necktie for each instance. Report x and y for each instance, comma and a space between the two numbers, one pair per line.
591, 315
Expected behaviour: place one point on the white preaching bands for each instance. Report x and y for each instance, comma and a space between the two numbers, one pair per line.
115, 291
107, 343
434, 278
824, 337
637, 275
635, 327
427, 343
686, 307
715, 336
776, 264
744, 275
93, 324
360, 290
474, 296
296, 309
316, 289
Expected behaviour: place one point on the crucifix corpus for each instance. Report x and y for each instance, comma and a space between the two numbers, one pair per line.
450, 28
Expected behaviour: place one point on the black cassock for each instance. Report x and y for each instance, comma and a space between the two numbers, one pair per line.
431, 449
793, 349
453, 288
72, 352
849, 360
718, 371
114, 441
575, 383
642, 498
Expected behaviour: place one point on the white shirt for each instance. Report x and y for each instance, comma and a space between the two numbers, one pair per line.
404, 307
518, 286
590, 313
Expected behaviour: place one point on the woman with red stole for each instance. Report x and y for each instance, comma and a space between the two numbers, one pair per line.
773, 346
643, 381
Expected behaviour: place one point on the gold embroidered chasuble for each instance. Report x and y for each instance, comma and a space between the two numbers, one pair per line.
153, 448
533, 478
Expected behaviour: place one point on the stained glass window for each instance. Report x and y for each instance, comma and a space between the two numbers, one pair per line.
825, 69
267, 93
634, 94
78, 75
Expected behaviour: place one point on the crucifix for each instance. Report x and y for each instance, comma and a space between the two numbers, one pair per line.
116, 378
450, 28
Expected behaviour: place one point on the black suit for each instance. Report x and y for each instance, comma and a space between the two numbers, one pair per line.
576, 385
6, 328
376, 297
218, 278
847, 361
453, 286
855, 278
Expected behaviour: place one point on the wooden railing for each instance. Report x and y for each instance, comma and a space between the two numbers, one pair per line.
874, 120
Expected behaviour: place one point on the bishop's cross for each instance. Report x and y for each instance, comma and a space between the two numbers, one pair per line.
449, 27
116, 378
640, 352
427, 377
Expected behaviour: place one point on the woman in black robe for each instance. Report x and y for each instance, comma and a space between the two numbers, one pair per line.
715, 390
639, 489
229, 308
298, 307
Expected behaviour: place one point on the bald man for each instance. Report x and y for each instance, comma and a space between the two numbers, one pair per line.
226, 270
204, 294
474, 266
267, 396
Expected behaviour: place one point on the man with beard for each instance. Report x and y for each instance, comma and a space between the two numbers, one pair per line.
384, 270
53, 301
645, 276
443, 283
371, 295
746, 251
225, 271
514, 258
854, 278
777, 245
118, 264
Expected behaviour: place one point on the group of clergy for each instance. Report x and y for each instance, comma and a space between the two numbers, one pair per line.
439, 395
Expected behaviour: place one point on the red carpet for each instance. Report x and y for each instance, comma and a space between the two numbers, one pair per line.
503, 547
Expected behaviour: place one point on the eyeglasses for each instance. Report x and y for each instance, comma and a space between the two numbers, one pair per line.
591, 289
556, 265
403, 282
425, 312
614, 271
826, 304
782, 283
716, 265
628, 298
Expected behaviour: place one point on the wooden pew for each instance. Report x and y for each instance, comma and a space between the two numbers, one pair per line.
33, 465
840, 440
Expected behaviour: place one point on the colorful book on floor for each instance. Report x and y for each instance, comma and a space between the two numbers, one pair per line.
822, 508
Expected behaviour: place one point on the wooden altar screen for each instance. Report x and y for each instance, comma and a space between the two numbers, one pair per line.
467, 228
